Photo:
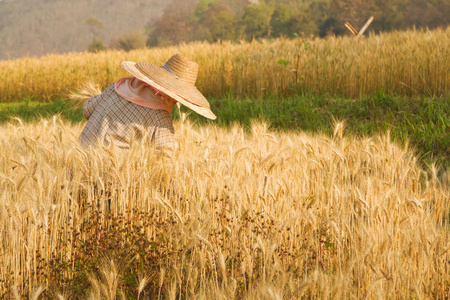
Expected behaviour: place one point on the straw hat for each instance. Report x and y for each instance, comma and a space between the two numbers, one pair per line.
176, 79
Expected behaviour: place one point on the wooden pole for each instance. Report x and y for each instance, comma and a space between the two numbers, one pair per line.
351, 28
365, 27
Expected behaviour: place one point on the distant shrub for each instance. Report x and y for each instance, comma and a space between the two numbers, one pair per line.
131, 41
96, 45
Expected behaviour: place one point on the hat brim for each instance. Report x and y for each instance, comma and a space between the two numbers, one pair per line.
131, 68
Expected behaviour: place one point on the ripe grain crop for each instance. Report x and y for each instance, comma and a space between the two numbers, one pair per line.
405, 63
234, 214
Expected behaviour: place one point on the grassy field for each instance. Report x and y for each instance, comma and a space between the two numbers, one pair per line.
234, 214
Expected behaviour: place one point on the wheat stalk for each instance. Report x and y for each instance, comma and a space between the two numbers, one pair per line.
86, 91
260, 214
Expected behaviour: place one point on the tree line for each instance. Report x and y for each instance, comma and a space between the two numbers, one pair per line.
216, 20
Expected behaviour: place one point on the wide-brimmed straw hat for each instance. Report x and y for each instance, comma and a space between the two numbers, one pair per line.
176, 79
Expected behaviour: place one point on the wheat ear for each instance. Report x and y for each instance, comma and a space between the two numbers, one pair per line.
88, 89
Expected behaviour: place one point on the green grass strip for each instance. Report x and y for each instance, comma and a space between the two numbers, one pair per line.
424, 122
31, 111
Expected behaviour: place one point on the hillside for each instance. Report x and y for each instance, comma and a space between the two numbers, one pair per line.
38, 27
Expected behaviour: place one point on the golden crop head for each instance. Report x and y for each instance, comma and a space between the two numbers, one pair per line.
404, 63
235, 212
81, 95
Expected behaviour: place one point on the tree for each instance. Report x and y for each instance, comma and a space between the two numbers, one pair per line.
96, 28
238, 6
96, 45
319, 12
431, 14
220, 21
281, 19
203, 7
256, 20
303, 22
388, 15
131, 41
353, 11
175, 25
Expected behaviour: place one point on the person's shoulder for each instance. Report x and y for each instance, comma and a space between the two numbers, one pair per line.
161, 117
111, 87
110, 91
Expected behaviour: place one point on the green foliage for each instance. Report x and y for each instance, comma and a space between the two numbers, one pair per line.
132, 41
343, 11
256, 20
202, 8
281, 19
283, 62
220, 21
97, 45
29, 110
176, 23
267, 19
303, 22
95, 26
319, 12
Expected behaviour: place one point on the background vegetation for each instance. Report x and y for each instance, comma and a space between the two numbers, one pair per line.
39, 27
234, 20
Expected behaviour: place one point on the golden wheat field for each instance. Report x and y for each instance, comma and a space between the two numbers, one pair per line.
235, 214
413, 62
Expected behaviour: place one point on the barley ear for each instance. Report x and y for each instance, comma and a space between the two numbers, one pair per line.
80, 96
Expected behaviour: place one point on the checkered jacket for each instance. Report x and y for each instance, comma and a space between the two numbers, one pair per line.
113, 119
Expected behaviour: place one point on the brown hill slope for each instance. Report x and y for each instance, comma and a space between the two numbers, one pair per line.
38, 27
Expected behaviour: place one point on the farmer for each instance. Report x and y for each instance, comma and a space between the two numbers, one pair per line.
139, 107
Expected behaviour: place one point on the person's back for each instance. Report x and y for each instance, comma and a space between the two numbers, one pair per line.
113, 119
139, 107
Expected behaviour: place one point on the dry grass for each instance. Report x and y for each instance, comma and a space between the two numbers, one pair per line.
407, 63
258, 215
